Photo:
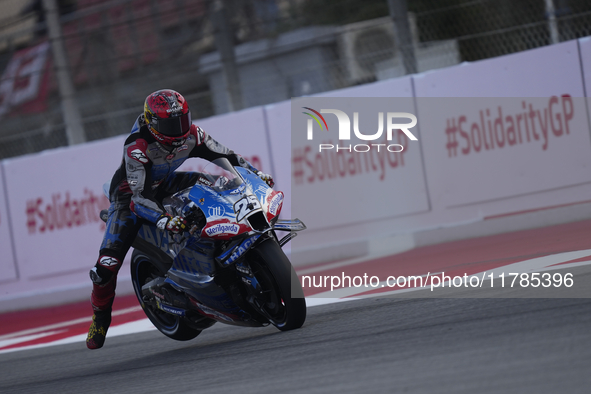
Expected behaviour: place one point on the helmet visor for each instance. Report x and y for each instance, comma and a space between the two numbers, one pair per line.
176, 126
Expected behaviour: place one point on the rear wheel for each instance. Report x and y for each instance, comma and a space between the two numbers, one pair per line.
144, 269
282, 299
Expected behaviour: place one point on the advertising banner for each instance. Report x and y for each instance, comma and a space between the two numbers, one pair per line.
485, 149
524, 131
55, 199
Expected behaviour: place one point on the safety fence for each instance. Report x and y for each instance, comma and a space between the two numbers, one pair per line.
121, 50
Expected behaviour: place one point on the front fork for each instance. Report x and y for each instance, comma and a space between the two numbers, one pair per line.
254, 292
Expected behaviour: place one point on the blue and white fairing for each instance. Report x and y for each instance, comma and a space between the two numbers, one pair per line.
238, 208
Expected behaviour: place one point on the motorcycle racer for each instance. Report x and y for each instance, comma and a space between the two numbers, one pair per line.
161, 139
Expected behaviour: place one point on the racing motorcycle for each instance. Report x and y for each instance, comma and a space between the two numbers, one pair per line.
228, 266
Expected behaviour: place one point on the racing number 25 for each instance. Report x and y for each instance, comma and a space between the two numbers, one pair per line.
246, 205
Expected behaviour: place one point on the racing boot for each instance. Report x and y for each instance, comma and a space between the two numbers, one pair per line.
104, 282
101, 320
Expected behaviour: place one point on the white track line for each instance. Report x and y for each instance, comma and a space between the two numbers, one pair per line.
62, 324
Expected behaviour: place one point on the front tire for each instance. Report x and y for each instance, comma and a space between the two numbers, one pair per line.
145, 268
283, 300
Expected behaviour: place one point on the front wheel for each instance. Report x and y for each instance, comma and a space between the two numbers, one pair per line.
282, 298
144, 269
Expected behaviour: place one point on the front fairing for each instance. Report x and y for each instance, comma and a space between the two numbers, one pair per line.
235, 202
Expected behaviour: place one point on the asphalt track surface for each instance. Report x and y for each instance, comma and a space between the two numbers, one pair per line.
373, 345
403, 343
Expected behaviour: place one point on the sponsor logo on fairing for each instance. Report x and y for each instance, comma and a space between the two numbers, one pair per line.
170, 309
222, 228
241, 250
216, 211
275, 203
205, 181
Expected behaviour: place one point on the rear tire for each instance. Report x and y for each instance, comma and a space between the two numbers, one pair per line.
284, 297
145, 268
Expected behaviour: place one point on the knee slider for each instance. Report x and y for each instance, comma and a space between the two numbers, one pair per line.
99, 275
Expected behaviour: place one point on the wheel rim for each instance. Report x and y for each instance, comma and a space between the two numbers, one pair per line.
145, 272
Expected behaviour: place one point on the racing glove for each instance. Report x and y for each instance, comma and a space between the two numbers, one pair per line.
267, 178
175, 225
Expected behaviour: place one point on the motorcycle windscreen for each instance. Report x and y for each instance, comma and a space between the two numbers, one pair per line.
220, 175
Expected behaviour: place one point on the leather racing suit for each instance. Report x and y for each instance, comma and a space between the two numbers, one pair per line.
146, 175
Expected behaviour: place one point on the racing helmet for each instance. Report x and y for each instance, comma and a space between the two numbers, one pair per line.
167, 115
